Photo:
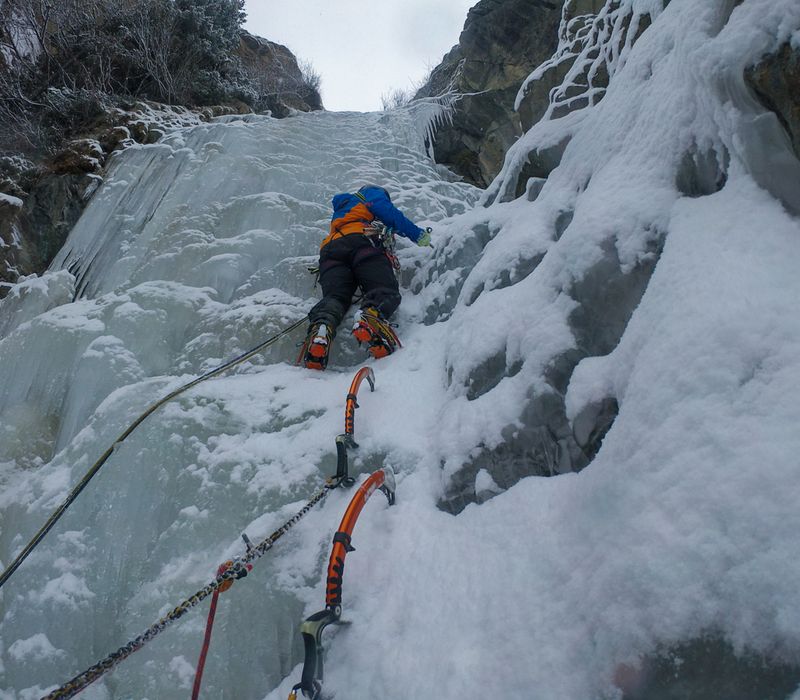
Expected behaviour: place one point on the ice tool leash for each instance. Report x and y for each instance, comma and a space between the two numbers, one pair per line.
231, 570
51, 521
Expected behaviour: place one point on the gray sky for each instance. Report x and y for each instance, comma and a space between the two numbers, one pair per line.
362, 49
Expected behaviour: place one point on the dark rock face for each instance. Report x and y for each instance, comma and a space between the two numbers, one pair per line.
41, 225
576, 76
707, 668
536, 97
544, 442
278, 75
502, 42
54, 193
776, 82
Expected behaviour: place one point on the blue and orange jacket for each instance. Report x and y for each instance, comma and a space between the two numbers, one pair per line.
352, 212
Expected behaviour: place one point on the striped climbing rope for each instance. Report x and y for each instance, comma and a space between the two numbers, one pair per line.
237, 569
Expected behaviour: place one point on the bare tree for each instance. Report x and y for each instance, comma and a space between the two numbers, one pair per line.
396, 98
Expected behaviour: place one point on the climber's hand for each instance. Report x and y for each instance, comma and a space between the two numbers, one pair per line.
424, 241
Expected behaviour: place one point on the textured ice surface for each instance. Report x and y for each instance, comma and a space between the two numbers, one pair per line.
193, 251
652, 283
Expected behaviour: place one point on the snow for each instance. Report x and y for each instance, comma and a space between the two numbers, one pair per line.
37, 647
10, 200
195, 249
183, 670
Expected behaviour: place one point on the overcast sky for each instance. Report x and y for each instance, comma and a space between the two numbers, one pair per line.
362, 50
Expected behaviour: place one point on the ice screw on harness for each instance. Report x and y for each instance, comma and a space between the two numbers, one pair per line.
384, 237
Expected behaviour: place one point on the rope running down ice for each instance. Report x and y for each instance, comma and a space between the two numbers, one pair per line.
51, 521
237, 570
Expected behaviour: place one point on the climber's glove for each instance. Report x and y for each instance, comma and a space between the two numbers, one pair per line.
424, 241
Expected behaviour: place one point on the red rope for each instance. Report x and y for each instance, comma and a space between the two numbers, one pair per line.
212, 611
198, 677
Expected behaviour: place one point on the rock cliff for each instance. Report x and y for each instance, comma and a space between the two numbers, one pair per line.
508, 76
776, 82
283, 85
501, 43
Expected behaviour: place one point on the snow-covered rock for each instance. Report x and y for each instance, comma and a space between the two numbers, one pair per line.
636, 320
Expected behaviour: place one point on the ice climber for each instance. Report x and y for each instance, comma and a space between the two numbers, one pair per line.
352, 256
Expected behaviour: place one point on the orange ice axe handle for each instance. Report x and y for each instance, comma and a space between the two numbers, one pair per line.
352, 400
382, 479
311, 681
346, 439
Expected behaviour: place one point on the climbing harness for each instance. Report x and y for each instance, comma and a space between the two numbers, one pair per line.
39, 536
384, 237
311, 680
233, 569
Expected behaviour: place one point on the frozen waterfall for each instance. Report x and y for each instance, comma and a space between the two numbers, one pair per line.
194, 250
593, 417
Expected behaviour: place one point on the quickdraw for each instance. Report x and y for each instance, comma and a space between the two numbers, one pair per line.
311, 680
51, 521
212, 612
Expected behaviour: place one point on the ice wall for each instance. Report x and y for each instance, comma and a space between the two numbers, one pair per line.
632, 316
194, 250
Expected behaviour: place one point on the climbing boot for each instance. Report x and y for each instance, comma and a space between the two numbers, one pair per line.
317, 346
371, 328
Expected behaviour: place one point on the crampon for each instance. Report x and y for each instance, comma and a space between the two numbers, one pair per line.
376, 332
315, 349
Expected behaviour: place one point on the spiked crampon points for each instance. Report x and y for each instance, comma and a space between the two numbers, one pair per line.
371, 328
314, 354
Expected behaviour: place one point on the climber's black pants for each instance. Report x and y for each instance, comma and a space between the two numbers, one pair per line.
345, 264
